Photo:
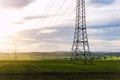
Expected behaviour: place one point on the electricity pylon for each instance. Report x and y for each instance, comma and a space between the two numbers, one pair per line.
80, 47
15, 53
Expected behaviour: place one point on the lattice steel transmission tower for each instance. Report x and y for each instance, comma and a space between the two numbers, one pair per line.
80, 47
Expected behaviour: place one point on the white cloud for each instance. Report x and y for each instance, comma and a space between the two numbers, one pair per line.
47, 31
115, 43
95, 31
104, 45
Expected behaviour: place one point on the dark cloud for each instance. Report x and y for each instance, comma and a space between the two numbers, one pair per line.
35, 17
62, 35
15, 3
18, 22
40, 16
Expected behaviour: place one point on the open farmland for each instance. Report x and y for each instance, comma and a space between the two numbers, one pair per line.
59, 70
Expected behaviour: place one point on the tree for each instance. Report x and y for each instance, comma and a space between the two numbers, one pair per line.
104, 57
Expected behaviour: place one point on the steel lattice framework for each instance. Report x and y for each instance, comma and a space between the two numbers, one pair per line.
80, 47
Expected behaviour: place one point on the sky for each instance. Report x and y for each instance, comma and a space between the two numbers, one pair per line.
37, 25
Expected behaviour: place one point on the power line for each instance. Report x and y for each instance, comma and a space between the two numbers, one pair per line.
35, 35
49, 5
46, 11
51, 36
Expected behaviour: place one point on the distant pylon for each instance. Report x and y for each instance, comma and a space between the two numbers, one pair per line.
15, 53
80, 47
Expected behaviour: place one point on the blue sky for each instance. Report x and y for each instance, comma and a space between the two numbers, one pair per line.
103, 2
37, 25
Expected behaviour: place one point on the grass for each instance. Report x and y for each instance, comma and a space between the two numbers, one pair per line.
59, 70
21, 67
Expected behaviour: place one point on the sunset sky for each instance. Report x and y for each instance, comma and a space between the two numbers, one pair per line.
48, 25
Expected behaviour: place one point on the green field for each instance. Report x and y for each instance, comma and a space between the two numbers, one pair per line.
59, 70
